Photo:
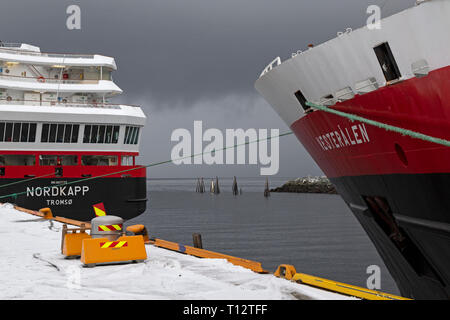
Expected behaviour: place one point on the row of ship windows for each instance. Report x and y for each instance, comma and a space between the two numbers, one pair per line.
66, 133
101, 134
17, 132
64, 160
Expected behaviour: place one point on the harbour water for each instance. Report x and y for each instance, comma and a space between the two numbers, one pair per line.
316, 233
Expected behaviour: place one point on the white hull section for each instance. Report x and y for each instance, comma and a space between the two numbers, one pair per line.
347, 65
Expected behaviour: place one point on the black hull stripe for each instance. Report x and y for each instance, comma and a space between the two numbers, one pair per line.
124, 197
421, 207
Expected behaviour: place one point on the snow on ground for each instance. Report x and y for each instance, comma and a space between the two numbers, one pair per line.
32, 267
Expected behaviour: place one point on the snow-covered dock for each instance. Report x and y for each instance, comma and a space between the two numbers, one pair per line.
32, 267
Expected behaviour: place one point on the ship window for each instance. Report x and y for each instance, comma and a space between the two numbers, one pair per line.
55, 160
108, 137
67, 133
44, 134
17, 132
17, 160
131, 135
2, 131
100, 134
24, 133
32, 134
127, 131
94, 133
69, 160
301, 98
127, 160
387, 62
99, 160
48, 160
59, 133
52, 135
116, 134
75, 130
87, 133
106, 74
8, 132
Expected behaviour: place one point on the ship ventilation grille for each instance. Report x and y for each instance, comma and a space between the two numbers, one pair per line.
420, 68
345, 94
366, 86
328, 100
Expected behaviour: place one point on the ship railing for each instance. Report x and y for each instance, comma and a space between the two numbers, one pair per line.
367, 85
62, 103
276, 62
47, 80
15, 48
10, 45
344, 94
347, 93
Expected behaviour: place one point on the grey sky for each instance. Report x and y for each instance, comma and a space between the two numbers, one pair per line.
186, 60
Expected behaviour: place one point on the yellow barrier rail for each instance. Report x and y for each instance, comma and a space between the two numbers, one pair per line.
288, 272
202, 253
284, 271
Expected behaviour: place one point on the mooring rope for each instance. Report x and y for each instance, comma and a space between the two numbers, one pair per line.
352, 117
15, 195
26, 180
405, 132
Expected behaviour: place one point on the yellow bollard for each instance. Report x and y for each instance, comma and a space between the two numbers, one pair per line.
139, 229
47, 212
285, 271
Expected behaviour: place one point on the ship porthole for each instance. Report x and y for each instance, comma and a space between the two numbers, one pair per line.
401, 154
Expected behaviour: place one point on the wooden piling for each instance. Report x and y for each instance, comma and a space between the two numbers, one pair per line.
217, 189
235, 187
267, 190
202, 185
197, 239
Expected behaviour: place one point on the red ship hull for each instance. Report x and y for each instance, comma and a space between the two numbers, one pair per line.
396, 186
122, 188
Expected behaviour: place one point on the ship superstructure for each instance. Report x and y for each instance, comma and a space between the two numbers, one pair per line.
58, 126
396, 186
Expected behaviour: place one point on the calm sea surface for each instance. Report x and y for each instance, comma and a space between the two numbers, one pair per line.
316, 233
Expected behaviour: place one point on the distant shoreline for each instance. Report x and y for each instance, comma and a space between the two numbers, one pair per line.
307, 185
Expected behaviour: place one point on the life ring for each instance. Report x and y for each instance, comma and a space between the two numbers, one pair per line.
41, 79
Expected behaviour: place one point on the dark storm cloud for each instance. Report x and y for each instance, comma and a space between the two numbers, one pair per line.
183, 50
202, 56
